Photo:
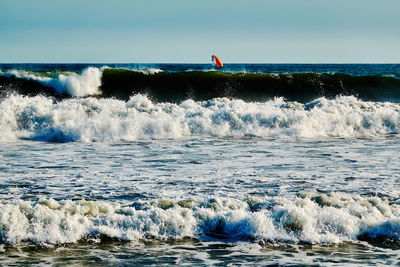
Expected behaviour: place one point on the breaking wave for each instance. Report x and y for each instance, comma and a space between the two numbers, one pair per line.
308, 218
175, 87
91, 119
64, 83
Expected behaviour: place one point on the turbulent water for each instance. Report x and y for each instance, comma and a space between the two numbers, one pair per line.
184, 164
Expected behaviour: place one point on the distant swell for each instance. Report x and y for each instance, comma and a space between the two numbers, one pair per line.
176, 87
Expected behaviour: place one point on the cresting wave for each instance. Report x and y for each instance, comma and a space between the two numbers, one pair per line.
91, 119
308, 218
60, 84
205, 85
175, 87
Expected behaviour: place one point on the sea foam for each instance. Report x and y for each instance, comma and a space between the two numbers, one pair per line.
310, 218
73, 84
90, 119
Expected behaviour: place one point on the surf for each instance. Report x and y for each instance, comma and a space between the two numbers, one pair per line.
178, 86
91, 119
308, 218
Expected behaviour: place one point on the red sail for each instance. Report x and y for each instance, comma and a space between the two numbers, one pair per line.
218, 62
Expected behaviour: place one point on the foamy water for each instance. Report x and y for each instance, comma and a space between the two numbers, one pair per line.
267, 193
315, 219
90, 119
224, 181
73, 84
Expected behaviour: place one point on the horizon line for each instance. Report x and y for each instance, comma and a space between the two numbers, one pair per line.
225, 63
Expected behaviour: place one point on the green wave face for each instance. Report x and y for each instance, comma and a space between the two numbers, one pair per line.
200, 85
176, 87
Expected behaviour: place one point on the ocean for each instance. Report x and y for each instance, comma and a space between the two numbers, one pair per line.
185, 164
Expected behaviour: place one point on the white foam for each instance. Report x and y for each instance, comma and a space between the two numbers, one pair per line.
86, 83
139, 118
316, 219
149, 70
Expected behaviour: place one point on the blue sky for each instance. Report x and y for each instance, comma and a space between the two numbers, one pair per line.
259, 31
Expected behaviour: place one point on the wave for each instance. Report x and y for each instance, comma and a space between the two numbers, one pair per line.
175, 87
60, 84
308, 218
204, 85
91, 119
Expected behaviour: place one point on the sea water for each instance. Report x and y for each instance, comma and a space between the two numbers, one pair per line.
88, 179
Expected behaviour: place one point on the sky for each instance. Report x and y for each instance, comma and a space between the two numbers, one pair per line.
186, 31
